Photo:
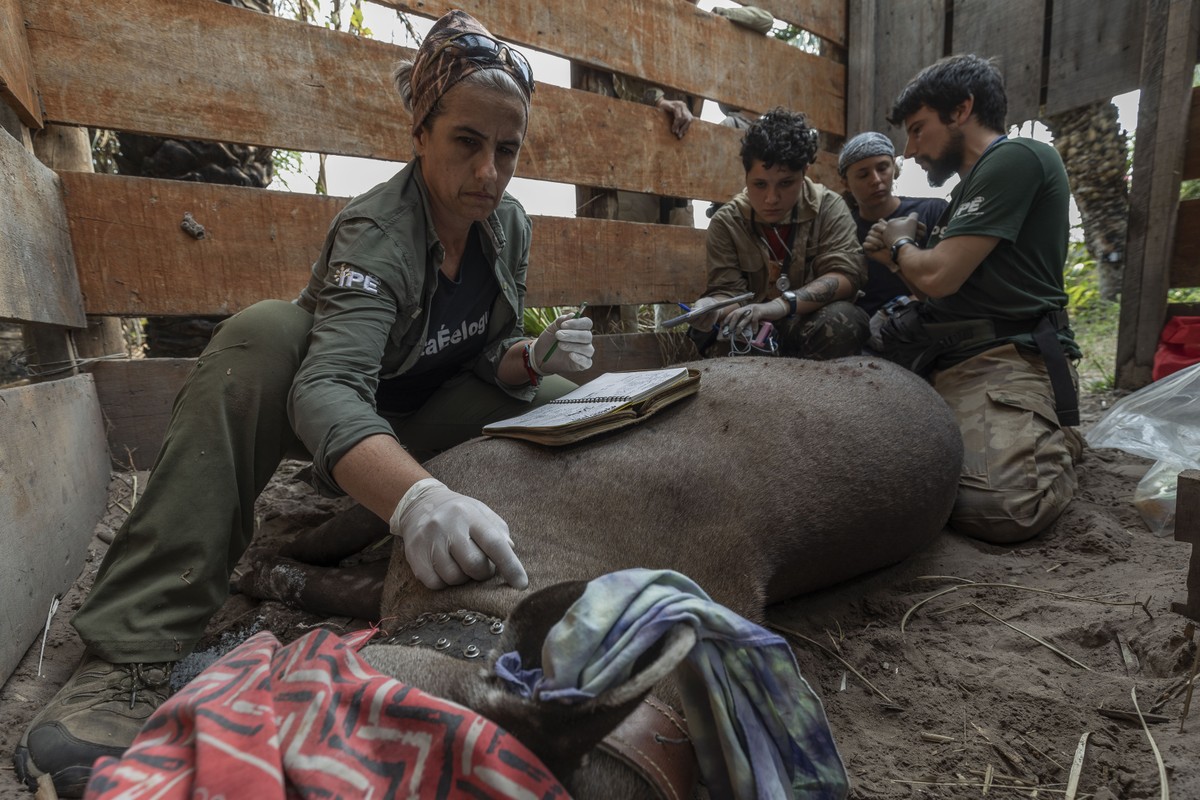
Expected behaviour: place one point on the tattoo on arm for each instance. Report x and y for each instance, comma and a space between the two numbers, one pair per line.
822, 290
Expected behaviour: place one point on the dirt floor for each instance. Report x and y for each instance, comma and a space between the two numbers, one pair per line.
932, 695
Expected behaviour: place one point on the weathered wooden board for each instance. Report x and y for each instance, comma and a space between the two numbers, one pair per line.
862, 109
672, 44
1011, 31
37, 269
54, 473
209, 71
1095, 51
1185, 263
1169, 58
1187, 529
898, 55
136, 396
1191, 161
825, 18
135, 259
1183, 310
16, 75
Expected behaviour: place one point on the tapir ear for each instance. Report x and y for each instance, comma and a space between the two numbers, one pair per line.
562, 734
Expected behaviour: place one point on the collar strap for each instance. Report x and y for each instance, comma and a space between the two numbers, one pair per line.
654, 742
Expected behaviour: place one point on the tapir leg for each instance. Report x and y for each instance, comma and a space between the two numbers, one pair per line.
353, 591
345, 534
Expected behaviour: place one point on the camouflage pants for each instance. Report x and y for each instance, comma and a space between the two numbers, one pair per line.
833, 331
1018, 464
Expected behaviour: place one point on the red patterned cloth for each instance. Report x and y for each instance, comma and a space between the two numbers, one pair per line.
313, 719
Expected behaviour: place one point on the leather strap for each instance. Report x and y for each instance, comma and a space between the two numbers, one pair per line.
1066, 400
654, 741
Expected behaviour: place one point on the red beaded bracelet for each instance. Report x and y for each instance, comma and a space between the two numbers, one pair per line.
534, 378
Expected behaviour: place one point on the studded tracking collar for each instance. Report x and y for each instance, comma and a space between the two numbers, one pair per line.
653, 740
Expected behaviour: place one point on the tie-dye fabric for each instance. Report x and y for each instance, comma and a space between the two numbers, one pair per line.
759, 730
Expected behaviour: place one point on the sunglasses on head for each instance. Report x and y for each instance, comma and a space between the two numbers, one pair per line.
486, 50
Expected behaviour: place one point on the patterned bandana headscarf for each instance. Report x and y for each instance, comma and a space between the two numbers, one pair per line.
865, 145
436, 68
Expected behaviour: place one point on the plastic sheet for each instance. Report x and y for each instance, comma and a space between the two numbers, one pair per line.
1162, 422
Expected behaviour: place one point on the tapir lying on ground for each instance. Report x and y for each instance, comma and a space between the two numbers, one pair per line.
779, 477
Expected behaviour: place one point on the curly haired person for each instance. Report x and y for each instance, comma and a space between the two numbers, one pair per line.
791, 243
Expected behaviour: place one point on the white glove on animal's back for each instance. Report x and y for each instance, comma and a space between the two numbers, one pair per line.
450, 538
574, 349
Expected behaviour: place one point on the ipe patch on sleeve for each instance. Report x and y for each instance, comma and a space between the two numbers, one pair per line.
347, 277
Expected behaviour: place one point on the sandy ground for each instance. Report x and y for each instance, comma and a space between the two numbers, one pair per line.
948, 698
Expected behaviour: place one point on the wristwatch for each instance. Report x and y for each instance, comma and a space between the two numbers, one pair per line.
790, 298
896, 245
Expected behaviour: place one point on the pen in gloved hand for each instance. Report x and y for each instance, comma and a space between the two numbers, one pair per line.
554, 346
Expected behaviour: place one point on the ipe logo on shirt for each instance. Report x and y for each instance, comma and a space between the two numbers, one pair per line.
348, 278
970, 208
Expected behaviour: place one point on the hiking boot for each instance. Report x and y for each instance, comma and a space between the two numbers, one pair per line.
98, 712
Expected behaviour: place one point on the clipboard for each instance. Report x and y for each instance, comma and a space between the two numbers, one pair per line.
691, 315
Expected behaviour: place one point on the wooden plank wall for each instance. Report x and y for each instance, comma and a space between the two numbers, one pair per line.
16, 74
1012, 32
339, 100
53, 459
1169, 56
54, 473
1094, 51
680, 46
885, 53
135, 259
37, 270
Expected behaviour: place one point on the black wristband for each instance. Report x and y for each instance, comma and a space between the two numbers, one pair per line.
896, 245
789, 297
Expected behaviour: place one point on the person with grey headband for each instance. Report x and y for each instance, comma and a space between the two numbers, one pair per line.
868, 164
406, 340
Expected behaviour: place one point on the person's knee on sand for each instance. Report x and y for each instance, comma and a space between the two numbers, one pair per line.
997, 516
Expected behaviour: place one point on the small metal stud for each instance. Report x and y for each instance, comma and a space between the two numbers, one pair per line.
497, 627
414, 639
471, 652
470, 619
443, 617
441, 644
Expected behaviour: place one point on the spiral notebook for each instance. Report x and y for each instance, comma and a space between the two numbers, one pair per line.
611, 401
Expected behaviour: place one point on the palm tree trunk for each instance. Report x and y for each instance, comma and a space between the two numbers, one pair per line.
1095, 151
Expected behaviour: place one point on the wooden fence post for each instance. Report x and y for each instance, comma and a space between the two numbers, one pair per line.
1168, 60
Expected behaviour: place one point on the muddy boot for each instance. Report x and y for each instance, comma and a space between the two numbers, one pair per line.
98, 712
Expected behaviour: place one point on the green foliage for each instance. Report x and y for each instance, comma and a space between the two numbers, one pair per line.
310, 11
1093, 319
797, 37
537, 320
289, 164
1184, 295
105, 147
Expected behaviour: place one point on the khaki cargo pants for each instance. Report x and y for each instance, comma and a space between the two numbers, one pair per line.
167, 571
1018, 464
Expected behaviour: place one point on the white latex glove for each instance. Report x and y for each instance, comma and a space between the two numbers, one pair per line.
753, 315
450, 538
574, 349
705, 322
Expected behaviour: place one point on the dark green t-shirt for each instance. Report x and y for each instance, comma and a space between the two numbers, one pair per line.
1017, 192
